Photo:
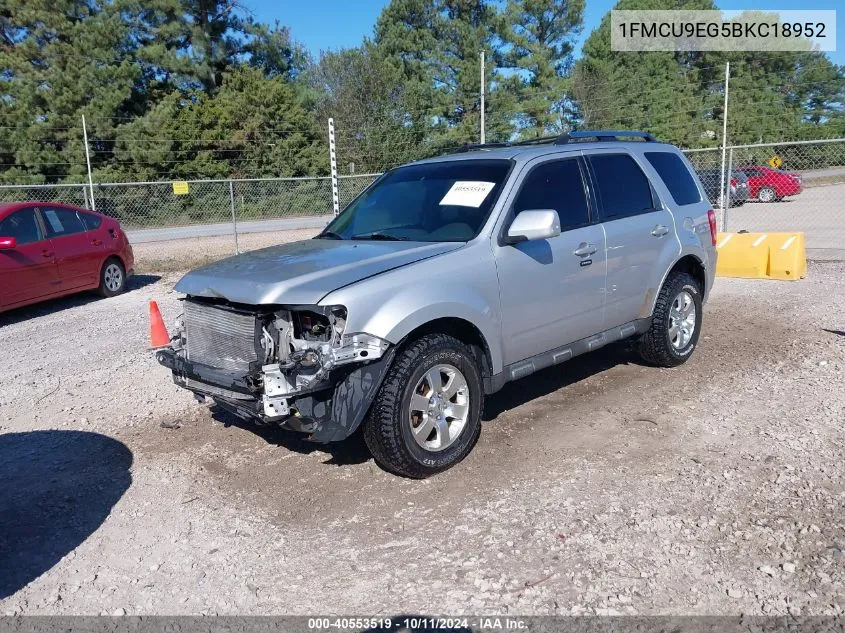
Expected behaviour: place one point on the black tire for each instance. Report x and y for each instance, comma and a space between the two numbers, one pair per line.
766, 194
107, 279
387, 430
655, 346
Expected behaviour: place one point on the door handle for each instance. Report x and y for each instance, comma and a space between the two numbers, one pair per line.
46, 253
96, 242
584, 250
659, 230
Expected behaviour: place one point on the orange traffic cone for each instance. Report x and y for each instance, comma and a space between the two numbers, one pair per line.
158, 332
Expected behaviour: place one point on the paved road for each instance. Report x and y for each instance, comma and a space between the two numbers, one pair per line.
817, 211
823, 173
141, 236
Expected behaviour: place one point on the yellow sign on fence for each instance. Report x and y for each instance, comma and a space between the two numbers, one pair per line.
180, 188
775, 162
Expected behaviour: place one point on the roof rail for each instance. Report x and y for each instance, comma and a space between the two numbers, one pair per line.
603, 135
471, 147
563, 139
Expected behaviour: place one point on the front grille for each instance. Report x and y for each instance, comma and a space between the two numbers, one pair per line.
220, 337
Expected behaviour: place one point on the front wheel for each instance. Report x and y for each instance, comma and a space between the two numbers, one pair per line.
427, 414
675, 323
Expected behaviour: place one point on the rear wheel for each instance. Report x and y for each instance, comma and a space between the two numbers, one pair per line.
112, 278
427, 414
675, 323
766, 194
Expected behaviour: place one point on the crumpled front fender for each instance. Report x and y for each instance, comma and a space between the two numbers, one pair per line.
338, 413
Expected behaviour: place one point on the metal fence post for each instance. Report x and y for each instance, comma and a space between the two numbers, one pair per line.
725, 201
234, 219
726, 194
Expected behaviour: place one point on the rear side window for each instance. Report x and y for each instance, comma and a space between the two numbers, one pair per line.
556, 185
91, 221
622, 187
675, 176
22, 225
61, 222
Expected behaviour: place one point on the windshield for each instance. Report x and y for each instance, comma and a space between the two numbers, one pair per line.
433, 202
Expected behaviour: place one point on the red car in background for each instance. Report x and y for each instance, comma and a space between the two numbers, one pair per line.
767, 185
48, 250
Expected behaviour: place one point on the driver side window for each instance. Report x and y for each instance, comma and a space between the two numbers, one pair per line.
556, 185
23, 226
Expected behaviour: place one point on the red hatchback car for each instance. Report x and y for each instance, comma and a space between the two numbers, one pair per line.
48, 250
767, 185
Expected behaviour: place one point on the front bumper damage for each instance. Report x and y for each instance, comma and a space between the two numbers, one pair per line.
322, 386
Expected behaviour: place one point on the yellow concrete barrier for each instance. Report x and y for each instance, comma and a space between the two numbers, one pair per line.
761, 255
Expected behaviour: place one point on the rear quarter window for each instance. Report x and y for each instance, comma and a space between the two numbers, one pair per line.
675, 175
91, 221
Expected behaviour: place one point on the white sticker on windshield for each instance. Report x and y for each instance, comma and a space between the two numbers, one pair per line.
467, 193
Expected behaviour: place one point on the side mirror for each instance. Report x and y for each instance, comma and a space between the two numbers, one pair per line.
536, 224
8, 243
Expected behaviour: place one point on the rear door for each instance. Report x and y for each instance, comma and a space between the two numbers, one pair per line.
552, 291
28, 272
639, 232
79, 254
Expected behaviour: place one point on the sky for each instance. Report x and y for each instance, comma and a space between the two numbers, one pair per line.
331, 24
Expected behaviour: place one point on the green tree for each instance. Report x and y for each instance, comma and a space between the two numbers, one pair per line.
60, 59
539, 43
188, 44
437, 45
660, 92
679, 96
364, 92
254, 126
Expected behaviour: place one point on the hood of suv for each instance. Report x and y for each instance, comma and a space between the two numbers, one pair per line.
303, 272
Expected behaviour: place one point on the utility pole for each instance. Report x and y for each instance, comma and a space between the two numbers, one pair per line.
88, 161
482, 97
725, 196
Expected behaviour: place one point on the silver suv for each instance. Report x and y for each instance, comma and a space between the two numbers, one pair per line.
445, 280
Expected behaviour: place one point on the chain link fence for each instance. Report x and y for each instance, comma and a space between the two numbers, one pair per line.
781, 187
177, 225
798, 186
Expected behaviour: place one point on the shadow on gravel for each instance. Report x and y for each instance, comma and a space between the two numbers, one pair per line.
56, 489
549, 380
837, 332
52, 306
353, 450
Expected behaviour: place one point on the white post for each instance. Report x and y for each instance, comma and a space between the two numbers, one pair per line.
333, 163
88, 161
725, 201
482, 97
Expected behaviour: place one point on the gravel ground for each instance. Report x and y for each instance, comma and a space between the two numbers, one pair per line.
599, 487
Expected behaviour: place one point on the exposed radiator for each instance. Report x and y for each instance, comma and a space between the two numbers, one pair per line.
218, 337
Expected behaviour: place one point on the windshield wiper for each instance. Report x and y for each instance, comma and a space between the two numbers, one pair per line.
328, 235
378, 236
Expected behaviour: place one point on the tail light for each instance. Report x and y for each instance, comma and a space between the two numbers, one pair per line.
733, 183
711, 218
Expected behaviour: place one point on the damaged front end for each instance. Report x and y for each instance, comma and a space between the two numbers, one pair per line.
291, 365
